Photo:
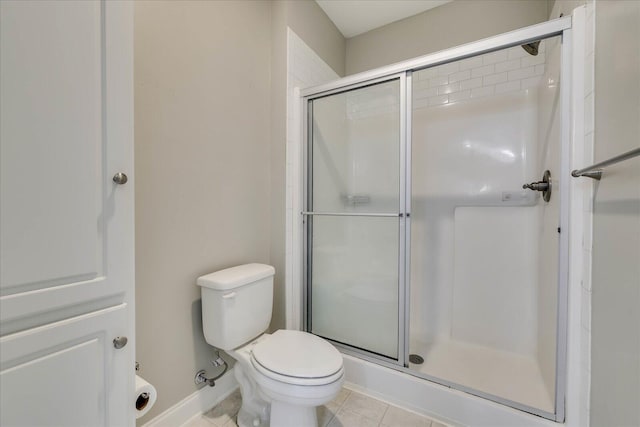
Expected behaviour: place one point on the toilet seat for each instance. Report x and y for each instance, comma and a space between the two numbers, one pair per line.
298, 358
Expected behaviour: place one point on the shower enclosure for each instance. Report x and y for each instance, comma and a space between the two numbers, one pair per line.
424, 251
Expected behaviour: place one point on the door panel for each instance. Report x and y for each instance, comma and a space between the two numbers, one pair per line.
356, 150
67, 247
52, 114
355, 218
355, 282
66, 129
64, 373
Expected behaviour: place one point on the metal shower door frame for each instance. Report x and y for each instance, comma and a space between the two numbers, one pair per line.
558, 27
402, 215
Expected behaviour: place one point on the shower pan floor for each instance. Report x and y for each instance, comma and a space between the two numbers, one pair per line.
511, 376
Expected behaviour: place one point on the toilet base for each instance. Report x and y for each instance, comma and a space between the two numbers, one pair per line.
254, 411
287, 415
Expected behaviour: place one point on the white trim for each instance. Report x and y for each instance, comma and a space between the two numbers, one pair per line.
568, 50
304, 68
576, 410
196, 403
293, 262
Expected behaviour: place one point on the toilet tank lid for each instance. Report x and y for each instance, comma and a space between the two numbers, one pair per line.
234, 277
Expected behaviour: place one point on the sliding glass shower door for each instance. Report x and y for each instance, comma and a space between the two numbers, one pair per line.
436, 217
354, 218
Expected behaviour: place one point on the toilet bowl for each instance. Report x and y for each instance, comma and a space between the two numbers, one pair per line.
282, 370
284, 376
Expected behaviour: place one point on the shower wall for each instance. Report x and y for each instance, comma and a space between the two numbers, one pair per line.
484, 252
473, 146
472, 233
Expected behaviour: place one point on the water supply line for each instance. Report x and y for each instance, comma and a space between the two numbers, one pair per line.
201, 375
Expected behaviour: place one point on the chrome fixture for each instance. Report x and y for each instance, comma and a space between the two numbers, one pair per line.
416, 359
306, 213
119, 342
532, 48
201, 375
120, 178
543, 186
595, 171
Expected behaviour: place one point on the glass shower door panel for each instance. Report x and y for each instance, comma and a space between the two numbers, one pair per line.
353, 219
354, 297
355, 150
484, 250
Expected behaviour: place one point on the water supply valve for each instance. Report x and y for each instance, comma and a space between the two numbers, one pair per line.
543, 186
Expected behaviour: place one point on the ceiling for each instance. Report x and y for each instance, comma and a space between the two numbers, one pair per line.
353, 17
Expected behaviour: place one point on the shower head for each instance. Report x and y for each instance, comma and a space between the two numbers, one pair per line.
532, 48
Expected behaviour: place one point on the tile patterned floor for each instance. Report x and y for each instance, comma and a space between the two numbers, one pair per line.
348, 409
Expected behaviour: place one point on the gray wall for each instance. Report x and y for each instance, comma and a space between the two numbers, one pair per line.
615, 322
210, 83
564, 7
449, 25
202, 101
313, 26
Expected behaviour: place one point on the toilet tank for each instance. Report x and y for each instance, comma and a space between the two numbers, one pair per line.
236, 304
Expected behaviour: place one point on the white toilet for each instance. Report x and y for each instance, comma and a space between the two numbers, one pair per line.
283, 376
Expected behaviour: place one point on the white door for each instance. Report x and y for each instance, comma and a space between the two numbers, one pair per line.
66, 228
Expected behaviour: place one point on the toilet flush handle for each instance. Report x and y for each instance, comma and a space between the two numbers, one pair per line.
229, 295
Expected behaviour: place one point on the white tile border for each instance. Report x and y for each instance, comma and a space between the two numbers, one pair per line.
506, 70
581, 193
304, 68
196, 403
494, 72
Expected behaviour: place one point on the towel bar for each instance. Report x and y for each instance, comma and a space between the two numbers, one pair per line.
595, 171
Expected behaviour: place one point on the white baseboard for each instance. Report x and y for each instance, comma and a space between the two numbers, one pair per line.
195, 404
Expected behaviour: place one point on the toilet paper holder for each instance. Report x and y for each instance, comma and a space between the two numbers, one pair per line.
201, 375
142, 401
145, 397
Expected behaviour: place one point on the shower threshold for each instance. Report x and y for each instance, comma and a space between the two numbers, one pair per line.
509, 375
